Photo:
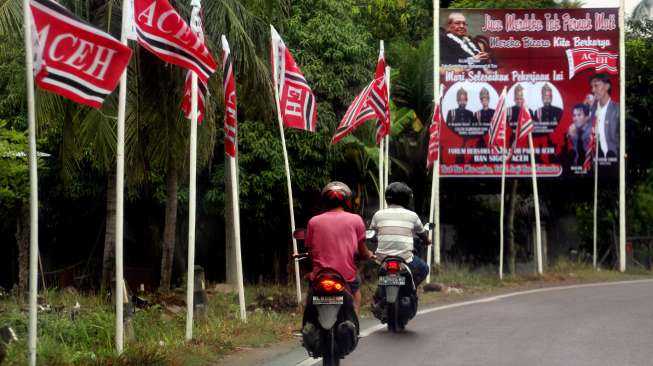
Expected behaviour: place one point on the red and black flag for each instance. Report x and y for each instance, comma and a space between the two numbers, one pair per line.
73, 58
358, 112
162, 31
524, 124
230, 116
296, 99
497, 140
369, 104
380, 100
590, 150
434, 137
202, 89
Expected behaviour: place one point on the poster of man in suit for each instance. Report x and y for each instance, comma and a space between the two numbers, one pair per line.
605, 113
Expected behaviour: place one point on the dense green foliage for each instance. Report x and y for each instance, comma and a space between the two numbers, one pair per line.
336, 44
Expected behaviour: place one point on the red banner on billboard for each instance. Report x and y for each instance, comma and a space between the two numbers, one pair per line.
559, 65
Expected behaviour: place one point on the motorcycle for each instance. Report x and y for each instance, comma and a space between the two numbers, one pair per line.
329, 326
395, 300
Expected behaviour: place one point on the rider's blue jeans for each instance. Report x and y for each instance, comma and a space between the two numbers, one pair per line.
420, 270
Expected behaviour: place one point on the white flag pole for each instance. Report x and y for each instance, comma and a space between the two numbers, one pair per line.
120, 184
33, 180
536, 201
381, 175
596, 200
503, 201
622, 136
386, 165
287, 167
192, 195
435, 184
235, 209
236, 219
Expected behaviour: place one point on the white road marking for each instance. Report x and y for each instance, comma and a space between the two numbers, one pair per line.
367, 332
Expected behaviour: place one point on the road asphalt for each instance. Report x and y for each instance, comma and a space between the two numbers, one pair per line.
599, 325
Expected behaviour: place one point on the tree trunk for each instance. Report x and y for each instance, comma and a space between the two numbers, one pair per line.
230, 238
108, 257
510, 226
22, 239
169, 232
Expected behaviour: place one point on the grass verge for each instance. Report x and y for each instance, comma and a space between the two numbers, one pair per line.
85, 337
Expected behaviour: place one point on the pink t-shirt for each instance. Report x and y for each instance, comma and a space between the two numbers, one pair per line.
333, 238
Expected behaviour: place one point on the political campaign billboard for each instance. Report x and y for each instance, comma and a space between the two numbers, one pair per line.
561, 65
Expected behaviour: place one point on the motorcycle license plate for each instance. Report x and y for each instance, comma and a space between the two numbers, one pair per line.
392, 281
328, 300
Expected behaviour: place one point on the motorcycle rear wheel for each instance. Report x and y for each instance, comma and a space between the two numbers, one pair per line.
329, 357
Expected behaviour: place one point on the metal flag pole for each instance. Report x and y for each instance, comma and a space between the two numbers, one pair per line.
120, 184
192, 196
503, 200
386, 165
381, 175
287, 167
437, 93
235, 208
536, 201
236, 218
33, 181
622, 136
596, 200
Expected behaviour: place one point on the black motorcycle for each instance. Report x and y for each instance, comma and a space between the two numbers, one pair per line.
395, 300
330, 326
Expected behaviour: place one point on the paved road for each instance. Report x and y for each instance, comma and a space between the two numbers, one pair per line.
608, 324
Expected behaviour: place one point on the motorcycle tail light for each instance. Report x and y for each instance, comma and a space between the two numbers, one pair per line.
330, 285
393, 267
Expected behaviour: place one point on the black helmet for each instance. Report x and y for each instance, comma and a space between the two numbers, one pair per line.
336, 194
398, 193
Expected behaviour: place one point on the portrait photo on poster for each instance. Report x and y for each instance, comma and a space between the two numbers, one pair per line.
468, 108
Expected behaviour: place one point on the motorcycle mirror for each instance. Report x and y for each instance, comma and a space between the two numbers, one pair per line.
369, 234
299, 234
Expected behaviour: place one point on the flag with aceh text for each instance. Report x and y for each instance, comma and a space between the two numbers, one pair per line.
73, 58
162, 31
296, 99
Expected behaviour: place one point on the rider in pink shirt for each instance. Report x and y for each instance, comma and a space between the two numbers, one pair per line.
335, 237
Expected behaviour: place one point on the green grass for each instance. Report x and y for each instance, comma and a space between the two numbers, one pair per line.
272, 317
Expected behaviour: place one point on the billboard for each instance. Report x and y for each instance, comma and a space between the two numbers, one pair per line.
563, 64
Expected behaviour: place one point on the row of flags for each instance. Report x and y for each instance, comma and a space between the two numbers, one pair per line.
82, 63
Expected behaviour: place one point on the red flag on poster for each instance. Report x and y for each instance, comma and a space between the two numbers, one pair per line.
590, 150
162, 31
524, 124
230, 119
72, 58
202, 88
434, 137
296, 99
497, 131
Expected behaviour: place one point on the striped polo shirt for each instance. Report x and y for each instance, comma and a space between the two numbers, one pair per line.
395, 227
